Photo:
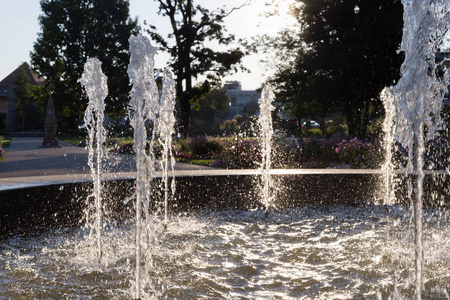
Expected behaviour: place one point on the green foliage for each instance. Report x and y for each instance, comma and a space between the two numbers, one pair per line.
191, 28
180, 145
74, 140
200, 162
230, 127
3, 143
210, 112
39, 99
30, 101
73, 31
239, 125
342, 55
314, 132
335, 129
22, 96
251, 108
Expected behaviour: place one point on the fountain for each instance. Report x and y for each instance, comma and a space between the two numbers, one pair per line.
143, 108
166, 123
417, 102
94, 83
325, 240
265, 140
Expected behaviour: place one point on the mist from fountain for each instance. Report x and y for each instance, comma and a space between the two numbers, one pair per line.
416, 101
95, 84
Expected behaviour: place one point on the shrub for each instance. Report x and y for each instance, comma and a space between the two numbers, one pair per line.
180, 145
358, 153
335, 130
325, 153
202, 147
126, 149
314, 132
243, 154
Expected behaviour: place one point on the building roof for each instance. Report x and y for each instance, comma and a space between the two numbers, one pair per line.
34, 78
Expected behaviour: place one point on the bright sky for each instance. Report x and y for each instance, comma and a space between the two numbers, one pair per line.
19, 28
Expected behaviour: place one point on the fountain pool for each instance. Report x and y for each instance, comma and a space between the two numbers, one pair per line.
312, 252
345, 249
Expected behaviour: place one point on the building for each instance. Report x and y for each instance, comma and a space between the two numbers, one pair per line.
240, 98
7, 102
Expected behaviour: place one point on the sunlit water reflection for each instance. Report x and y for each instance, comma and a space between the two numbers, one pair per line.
306, 253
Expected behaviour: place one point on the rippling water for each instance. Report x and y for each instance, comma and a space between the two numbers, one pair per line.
305, 253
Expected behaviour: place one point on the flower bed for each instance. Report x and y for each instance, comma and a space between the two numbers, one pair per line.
287, 153
2, 154
305, 153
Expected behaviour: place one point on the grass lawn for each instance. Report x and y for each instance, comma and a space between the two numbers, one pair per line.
201, 162
74, 140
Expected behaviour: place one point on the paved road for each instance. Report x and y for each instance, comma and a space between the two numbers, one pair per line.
25, 158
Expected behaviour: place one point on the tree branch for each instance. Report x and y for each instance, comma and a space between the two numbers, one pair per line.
246, 3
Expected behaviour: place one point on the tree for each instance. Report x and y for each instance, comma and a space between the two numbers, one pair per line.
193, 26
250, 109
30, 101
39, 99
212, 106
345, 54
22, 96
210, 111
71, 32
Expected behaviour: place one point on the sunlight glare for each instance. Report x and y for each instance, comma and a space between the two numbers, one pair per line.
283, 8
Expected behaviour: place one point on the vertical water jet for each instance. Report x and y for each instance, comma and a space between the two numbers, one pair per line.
143, 111
388, 143
95, 84
166, 122
418, 98
265, 141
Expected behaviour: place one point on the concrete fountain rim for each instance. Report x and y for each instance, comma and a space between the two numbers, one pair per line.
47, 180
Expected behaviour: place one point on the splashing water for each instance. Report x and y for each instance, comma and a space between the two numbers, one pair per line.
417, 100
266, 133
95, 84
388, 143
143, 109
166, 122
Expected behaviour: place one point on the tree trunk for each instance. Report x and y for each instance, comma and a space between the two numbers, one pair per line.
350, 121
